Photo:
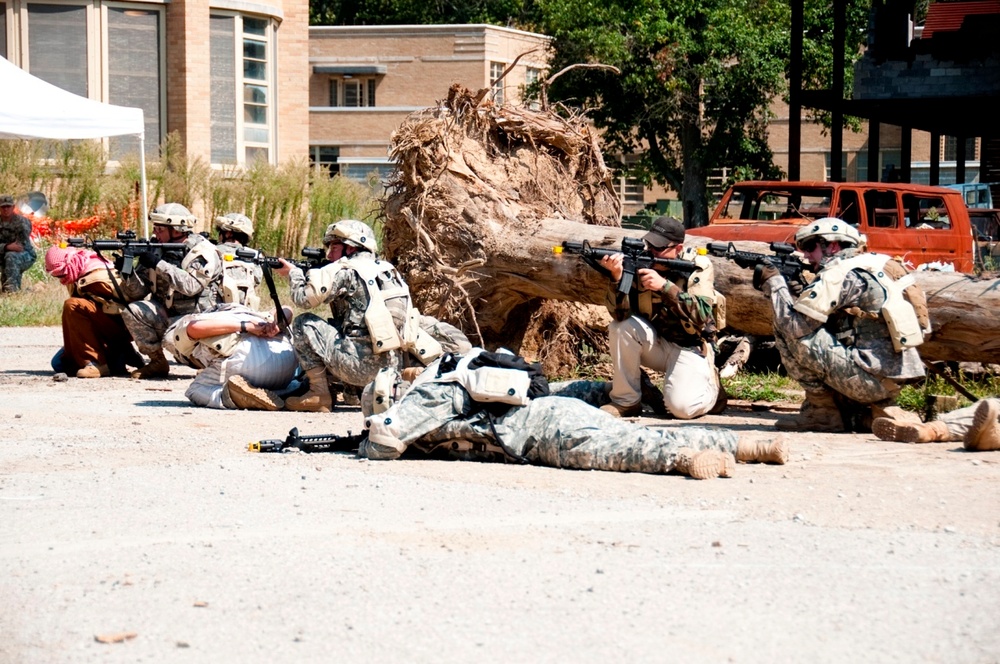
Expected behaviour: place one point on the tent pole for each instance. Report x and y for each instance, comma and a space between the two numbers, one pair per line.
142, 181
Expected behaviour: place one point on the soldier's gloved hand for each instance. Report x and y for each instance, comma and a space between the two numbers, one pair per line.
795, 287
148, 259
764, 272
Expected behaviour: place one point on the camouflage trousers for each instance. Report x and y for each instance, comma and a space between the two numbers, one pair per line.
147, 321
15, 263
959, 421
550, 431
818, 361
351, 360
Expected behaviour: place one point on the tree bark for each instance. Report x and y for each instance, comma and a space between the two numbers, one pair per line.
525, 268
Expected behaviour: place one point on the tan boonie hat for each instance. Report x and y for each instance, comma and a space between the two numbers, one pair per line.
6, 199
664, 232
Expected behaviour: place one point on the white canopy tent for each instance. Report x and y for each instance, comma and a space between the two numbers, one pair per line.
33, 108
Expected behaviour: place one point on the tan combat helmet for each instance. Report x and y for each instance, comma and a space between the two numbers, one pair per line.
830, 229
350, 231
235, 222
174, 215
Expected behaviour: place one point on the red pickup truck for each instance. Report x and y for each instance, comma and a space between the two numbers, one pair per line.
921, 224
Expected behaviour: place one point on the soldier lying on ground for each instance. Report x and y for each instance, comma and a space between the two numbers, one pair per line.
978, 426
473, 407
96, 342
373, 325
243, 357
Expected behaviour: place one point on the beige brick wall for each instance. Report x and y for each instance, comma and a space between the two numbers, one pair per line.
421, 63
189, 83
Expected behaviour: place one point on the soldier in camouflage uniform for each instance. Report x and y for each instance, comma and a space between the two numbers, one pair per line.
977, 426
667, 325
16, 251
240, 279
849, 338
374, 322
444, 413
179, 283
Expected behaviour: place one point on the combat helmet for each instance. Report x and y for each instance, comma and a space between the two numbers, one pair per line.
350, 231
235, 222
174, 215
830, 229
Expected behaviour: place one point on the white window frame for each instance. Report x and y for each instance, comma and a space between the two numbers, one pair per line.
497, 84
98, 71
270, 106
366, 85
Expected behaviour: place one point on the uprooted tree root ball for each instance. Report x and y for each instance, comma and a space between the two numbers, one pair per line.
475, 182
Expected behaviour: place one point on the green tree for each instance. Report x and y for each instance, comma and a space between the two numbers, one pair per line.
696, 81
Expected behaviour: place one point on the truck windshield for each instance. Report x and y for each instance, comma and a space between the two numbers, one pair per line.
769, 204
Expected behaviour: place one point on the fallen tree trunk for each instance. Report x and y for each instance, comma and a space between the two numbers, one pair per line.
483, 194
523, 268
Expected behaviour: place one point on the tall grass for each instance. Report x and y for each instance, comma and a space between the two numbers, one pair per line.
290, 204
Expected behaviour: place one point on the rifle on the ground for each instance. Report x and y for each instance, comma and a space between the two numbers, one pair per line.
329, 442
790, 267
129, 247
636, 257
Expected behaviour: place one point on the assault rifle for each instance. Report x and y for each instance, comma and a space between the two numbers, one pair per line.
130, 246
790, 267
254, 256
329, 442
636, 257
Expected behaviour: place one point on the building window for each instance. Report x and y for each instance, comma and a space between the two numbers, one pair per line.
951, 149
134, 73
828, 173
242, 99
531, 76
351, 92
496, 69
325, 158
57, 46
630, 188
62, 44
3, 30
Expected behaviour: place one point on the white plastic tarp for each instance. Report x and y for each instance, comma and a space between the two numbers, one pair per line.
33, 108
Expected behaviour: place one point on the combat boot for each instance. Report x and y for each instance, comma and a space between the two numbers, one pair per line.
984, 434
704, 464
157, 367
247, 397
317, 399
887, 428
818, 413
410, 374
892, 411
763, 451
92, 370
613, 409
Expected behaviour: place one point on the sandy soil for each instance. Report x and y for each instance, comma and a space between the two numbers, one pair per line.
125, 510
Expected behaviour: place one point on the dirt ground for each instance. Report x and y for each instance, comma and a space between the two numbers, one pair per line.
125, 511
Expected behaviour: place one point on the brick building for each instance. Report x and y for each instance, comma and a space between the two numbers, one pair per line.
364, 80
215, 71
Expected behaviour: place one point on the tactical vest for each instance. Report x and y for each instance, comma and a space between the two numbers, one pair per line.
240, 279
700, 283
391, 319
884, 307
107, 276
211, 273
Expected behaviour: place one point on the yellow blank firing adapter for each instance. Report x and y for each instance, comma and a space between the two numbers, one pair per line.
254, 447
228, 257
702, 251
557, 250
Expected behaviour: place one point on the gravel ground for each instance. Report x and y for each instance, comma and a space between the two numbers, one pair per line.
125, 511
